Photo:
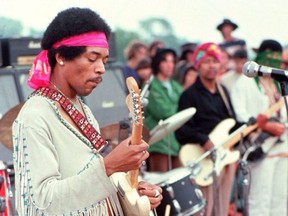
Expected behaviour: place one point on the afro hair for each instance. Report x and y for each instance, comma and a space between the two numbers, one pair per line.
73, 21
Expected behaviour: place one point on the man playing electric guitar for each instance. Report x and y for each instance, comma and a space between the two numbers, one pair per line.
213, 105
62, 165
251, 97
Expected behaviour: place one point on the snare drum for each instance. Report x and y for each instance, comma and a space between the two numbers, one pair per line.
179, 192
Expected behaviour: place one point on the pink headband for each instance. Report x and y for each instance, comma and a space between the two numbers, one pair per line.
39, 74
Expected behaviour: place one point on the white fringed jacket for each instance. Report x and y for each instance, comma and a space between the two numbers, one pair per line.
56, 172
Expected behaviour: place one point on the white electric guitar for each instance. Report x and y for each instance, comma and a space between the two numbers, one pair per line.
194, 154
127, 183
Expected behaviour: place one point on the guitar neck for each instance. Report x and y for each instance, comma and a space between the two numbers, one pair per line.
274, 108
135, 140
133, 102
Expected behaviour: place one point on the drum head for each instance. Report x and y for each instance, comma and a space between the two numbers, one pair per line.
172, 175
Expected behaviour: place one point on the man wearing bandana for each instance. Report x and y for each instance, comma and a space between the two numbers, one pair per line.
213, 105
62, 166
251, 97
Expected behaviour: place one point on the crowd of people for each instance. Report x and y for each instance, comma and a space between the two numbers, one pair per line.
208, 76
55, 126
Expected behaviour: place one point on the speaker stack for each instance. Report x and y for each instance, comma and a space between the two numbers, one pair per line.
19, 51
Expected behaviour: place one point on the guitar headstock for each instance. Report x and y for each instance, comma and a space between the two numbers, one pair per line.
133, 102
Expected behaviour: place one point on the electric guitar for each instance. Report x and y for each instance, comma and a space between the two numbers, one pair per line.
127, 183
194, 154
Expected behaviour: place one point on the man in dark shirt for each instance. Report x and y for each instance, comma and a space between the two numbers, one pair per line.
213, 105
210, 111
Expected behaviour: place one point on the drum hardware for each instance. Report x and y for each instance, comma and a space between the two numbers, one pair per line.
176, 204
1, 181
214, 177
195, 168
5, 191
2, 205
244, 169
168, 126
145, 92
180, 193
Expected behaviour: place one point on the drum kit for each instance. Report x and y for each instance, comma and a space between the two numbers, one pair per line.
5, 190
180, 193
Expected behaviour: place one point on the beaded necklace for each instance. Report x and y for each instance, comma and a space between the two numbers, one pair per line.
71, 101
100, 145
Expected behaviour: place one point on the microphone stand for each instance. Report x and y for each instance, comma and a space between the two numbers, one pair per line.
145, 92
284, 91
214, 177
244, 170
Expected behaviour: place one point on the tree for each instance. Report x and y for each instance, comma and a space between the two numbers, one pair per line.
10, 27
122, 39
159, 28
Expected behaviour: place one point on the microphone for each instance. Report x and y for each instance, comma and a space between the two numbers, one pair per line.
252, 69
145, 92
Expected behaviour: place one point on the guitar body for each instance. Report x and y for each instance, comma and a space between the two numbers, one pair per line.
191, 152
127, 183
132, 204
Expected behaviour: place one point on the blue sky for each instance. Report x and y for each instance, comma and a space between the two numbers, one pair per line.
195, 20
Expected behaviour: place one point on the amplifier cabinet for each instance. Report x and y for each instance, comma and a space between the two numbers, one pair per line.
20, 51
1, 57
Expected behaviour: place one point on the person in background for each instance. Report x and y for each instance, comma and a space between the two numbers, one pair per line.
252, 97
226, 63
144, 70
228, 79
153, 46
189, 76
134, 53
213, 105
284, 64
62, 164
162, 103
230, 43
185, 59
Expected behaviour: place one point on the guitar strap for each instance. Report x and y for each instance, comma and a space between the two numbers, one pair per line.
224, 98
98, 142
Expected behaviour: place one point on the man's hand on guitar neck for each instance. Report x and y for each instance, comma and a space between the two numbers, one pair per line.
126, 157
273, 127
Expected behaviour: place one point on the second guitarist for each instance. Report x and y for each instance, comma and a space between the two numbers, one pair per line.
252, 97
213, 105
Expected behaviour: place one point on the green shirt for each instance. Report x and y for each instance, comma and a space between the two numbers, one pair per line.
163, 103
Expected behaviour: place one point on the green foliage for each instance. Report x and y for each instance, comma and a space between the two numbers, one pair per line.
123, 38
10, 27
150, 29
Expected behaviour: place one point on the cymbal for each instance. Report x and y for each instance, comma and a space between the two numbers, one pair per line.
170, 124
114, 134
6, 125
